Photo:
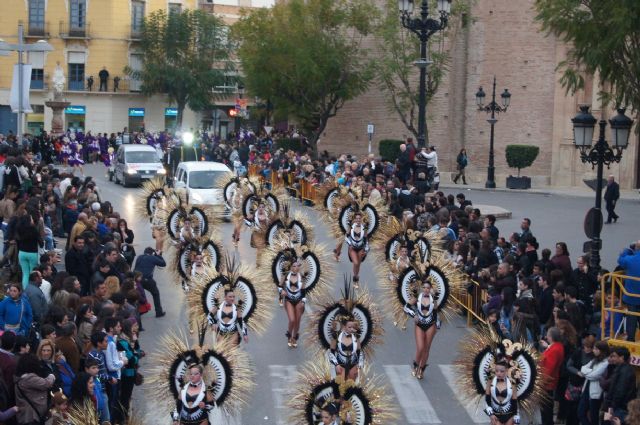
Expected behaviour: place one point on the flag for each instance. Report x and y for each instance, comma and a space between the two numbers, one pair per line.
26, 85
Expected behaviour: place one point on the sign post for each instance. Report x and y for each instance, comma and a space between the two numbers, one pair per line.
370, 131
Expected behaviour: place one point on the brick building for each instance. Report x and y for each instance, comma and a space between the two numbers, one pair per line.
501, 39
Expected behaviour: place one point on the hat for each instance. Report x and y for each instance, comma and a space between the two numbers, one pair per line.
95, 206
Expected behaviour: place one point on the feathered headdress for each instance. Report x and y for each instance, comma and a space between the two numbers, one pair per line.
183, 255
152, 194
296, 225
228, 372
479, 353
366, 403
332, 315
208, 291
445, 278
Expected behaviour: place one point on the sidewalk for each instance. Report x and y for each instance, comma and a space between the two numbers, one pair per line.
584, 192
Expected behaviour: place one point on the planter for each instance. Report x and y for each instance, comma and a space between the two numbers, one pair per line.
518, 182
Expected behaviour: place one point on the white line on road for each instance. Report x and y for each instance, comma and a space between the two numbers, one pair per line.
474, 411
412, 398
282, 378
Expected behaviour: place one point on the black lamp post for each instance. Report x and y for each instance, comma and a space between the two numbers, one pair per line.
494, 109
598, 156
424, 27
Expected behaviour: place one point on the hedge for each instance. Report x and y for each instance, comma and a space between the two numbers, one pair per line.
390, 149
521, 156
289, 144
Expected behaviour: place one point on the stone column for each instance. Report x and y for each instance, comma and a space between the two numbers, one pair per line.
57, 121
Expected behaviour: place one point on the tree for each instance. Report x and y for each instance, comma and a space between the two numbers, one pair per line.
186, 55
396, 71
306, 57
604, 40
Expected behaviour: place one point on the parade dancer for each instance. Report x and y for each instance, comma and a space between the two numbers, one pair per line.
75, 158
200, 385
230, 301
506, 374
234, 191
299, 272
347, 330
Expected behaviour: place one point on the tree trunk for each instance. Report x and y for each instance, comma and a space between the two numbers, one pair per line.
181, 106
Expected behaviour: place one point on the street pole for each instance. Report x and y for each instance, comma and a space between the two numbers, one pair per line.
491, 171
596, 243
422, 107
20, 83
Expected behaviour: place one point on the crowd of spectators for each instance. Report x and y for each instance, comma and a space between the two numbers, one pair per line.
71, 313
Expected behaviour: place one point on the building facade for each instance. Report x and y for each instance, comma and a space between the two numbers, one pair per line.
89, 37
500, 39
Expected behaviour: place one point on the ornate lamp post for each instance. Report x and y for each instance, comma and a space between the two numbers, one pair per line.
599, 155
424, 27
494, 109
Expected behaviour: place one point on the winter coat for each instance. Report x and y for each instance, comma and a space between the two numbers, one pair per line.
32, 387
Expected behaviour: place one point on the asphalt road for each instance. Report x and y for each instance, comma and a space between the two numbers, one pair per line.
434, 400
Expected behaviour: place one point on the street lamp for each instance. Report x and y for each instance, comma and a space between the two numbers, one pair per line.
599, 155
424, 27
21, 47
494, 108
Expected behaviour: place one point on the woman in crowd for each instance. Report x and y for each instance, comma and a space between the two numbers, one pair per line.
126, 241
591, 394
83, 392
580, 358
129, 345
84, 321
561, 260
461, 163
46, 354
32, 390
28, 241
15, 311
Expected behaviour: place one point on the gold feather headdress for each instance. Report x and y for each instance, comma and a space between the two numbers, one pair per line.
153, 193
182, 255
228, 371
478, 354
332, 315
366, 403
208, 290
316, 269
446, 281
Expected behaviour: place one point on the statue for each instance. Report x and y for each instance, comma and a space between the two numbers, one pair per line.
58, 79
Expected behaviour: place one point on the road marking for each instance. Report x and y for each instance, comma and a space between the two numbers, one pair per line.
473, 409
281, 379
414, 402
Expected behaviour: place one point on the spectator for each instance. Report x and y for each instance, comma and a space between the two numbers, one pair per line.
28, 241
36, 298
8, 362
622, 387
525, 229
591, 394
96, 359
629, 260
551, 362
31, 390
15, 312
68, 344
78, 263
561, 260
584, 279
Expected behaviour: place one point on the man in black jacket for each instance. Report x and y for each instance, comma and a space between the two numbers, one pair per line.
77, 262
622, 387
404, 164
145, 264
611, 196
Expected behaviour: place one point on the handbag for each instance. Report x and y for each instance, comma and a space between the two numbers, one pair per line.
573, 392
138, 379
144, 308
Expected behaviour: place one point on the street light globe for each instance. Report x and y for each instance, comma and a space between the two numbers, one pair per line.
187, 138
406, 6
506, 98
444, 6
583, 125
620, 129
480, 95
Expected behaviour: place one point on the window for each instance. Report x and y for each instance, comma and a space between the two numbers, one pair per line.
76, 76
78, 15
135, 63
175, 8
37, 79
137, 17
36, 17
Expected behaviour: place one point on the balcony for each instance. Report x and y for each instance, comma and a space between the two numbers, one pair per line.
135, 34
38, 30
75, 32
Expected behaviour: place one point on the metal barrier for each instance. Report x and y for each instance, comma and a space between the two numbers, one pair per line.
613, 283
471, 301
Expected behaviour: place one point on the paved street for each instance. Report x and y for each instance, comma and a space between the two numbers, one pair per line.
432, 401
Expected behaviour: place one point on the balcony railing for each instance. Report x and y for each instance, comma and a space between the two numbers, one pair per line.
37, 30
75, 32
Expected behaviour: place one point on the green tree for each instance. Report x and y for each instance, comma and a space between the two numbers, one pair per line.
398, 50
306, 57
604, 39
186, 55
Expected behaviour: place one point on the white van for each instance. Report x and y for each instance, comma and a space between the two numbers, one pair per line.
135, 163
201, 180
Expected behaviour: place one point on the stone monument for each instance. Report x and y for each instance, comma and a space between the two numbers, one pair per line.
58, 102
